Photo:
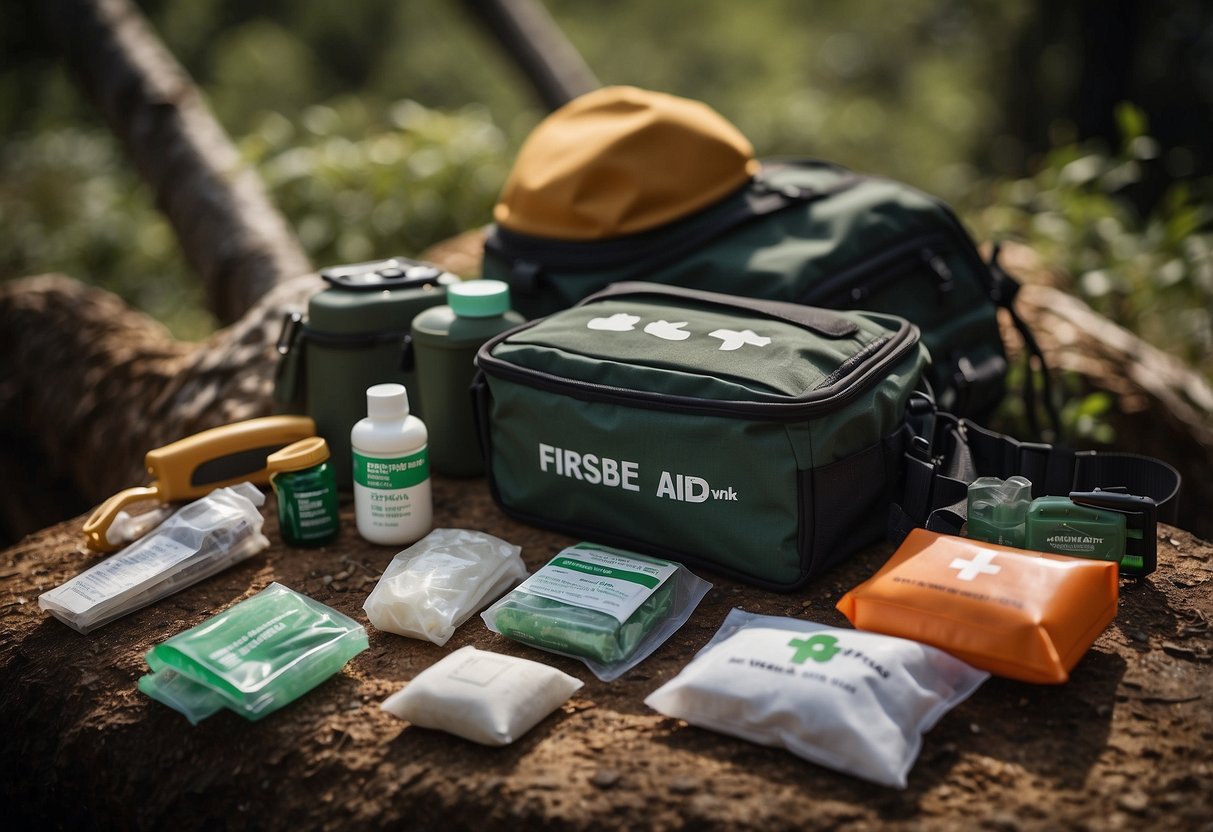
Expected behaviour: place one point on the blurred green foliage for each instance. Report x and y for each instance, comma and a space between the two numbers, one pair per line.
380, 128
1152, 272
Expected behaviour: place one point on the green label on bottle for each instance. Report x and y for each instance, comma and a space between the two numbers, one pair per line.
392, 472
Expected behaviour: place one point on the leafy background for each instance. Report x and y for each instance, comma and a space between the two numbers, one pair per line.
381, 127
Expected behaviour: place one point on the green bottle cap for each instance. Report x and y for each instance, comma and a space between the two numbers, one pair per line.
479, 298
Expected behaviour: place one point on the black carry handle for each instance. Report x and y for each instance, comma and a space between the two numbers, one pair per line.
822, 321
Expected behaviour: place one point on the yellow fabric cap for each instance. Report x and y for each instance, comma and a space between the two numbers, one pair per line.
621, 160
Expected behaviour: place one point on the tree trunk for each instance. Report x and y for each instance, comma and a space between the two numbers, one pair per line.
230, 233
533, 41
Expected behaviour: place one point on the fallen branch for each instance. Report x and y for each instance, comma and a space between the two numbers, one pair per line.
230, 233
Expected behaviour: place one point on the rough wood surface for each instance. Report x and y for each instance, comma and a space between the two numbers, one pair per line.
1126, 744
231, 235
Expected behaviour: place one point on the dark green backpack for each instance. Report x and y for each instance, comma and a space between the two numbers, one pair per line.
808, 232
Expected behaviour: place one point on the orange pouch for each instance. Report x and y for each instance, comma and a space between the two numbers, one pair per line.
1022, 615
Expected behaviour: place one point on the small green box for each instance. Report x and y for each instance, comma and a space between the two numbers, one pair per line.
1060, 526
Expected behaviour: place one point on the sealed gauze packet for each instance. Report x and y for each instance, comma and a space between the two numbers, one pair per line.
441, 581
1023, 615
855, 702
608, 607
481, 696
198, 540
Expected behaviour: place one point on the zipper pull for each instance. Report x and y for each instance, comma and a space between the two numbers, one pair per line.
938, 265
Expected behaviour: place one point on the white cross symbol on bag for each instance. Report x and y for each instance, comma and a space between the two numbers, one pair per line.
980, 564
730, 339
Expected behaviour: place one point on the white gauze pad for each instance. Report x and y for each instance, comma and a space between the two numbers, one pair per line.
484, 697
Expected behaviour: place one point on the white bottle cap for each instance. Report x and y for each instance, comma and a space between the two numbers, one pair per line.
387, 401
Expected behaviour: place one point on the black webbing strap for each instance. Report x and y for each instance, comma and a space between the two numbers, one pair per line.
1003, 289
938, 472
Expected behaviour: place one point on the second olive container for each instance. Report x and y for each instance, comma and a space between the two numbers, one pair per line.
445, 341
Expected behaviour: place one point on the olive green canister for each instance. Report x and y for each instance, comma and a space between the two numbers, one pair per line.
355, 335
445, 341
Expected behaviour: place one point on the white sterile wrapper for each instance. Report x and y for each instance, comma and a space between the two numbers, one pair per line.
853, 701
197, 541
440, 581
484, 697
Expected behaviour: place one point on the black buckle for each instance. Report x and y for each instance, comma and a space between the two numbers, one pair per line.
1141, 524
290, 327
1034, 465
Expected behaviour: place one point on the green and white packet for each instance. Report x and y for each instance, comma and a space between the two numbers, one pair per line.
853, 701
262, 653
608, 607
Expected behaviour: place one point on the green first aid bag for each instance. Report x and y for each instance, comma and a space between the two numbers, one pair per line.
759, 439
627, 184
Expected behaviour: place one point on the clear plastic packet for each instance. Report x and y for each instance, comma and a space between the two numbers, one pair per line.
852, 701
197, 541
127, 527
439, 582
264, 652
192, 700
482, 696
608, 607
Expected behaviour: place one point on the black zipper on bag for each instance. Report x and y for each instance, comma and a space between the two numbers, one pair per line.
638, 253
919, 253
834, 392
645, 251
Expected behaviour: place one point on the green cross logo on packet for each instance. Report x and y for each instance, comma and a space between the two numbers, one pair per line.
818, 648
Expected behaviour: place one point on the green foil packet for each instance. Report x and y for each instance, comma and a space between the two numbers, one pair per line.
264, 652
608, 607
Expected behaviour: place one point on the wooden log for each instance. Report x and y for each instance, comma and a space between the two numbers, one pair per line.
1123, 745
1162, 407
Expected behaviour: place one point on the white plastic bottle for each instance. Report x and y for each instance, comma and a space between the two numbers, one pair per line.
392, 501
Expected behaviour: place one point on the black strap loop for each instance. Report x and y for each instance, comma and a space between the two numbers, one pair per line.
822, 321
1003, 289
937, 478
